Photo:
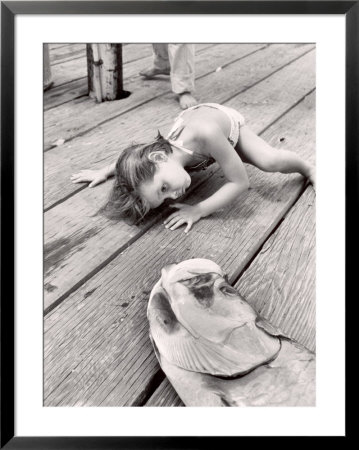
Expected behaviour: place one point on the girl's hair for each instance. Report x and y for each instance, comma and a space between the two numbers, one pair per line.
133, 167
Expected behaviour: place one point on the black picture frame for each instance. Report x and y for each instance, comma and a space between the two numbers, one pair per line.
9, 9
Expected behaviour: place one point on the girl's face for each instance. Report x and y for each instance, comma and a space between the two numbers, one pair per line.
169, 181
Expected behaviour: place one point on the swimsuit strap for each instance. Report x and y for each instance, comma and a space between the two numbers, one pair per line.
178, 127
175, 131
179, 144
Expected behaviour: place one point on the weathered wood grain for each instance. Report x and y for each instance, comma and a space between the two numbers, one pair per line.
164, 395
71, 78
97, 147
97, 350
65, 72
69, 52
55, 45
78, 240
88, 116
73, 238
76, 85
279, 283
59, 121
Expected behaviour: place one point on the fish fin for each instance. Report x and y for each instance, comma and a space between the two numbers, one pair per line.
178, 345
198, 355
183, 351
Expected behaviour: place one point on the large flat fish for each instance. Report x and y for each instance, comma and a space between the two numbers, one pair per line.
216, 350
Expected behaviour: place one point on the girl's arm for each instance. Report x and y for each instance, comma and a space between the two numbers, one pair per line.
214, 143
94, 176
233, 168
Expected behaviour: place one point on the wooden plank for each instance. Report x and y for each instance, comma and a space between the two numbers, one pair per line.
66, 92
142, 91
279, 284
97, 147
75, 69
165, 395
70, 52
58, 45
134, 59
97, 350
79, 241
59, 122
92, 148
73, 234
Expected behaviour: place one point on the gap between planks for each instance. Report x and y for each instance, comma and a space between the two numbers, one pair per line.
77, 285
162, 93
52, 200
214, 227
166, 92
250, 284
153, 222
67, 91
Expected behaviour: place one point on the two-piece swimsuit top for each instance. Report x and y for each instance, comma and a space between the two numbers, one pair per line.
235, 118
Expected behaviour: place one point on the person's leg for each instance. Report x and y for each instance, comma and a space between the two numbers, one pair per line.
48, 82
182, 62
254, 150
161, 63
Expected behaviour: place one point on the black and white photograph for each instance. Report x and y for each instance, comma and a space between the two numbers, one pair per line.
177, 188
179, 224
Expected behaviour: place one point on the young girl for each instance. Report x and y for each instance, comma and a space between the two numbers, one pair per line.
148, 174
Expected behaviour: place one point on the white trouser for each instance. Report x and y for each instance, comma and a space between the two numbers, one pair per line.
179, 58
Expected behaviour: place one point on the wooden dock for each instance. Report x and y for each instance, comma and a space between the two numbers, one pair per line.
98, 273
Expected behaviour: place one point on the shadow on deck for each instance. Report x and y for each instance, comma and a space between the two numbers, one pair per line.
98, 273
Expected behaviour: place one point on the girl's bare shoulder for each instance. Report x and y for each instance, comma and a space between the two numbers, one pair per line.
200, 134
200, 129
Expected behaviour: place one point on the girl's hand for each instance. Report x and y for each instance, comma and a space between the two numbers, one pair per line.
93, 176
185, 214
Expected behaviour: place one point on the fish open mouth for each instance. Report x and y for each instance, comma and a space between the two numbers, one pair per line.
192, 337
207, 338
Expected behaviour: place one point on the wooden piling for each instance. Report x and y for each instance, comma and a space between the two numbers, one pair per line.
105, 79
